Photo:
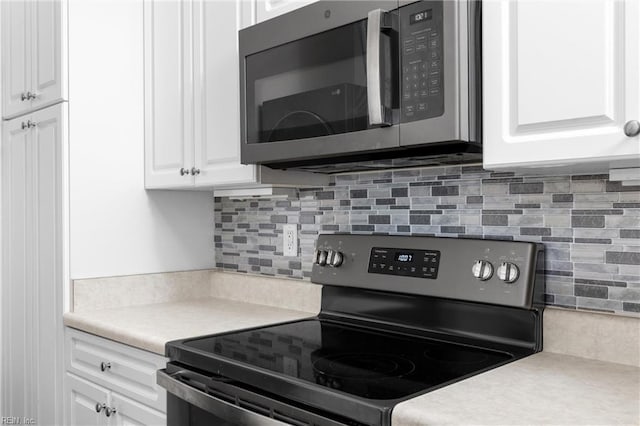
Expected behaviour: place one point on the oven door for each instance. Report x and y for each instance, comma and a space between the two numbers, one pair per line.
194, 399
320, 81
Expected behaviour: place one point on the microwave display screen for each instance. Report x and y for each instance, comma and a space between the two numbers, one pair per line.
425, 15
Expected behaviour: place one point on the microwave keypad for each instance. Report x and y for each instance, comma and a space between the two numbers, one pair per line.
422, 71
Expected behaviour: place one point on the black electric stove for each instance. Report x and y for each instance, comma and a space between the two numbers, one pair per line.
400, 316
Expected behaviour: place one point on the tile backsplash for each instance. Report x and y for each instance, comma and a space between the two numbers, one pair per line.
590, 226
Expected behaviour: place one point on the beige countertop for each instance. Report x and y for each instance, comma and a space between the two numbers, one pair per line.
544, 388
552, 387
150, 326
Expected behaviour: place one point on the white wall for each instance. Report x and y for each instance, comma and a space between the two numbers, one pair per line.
118, 228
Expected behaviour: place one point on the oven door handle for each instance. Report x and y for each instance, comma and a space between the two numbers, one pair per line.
222, 409
378, 113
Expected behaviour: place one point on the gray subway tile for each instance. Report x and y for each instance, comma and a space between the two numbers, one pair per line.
625, 258
587, 221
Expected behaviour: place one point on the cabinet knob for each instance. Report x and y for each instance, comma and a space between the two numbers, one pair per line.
31, 95
24, 96
104, 366
195, 171
100, 407
183, 171
110, 411
632, 128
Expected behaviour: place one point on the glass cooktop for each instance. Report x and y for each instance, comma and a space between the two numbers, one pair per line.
362, 362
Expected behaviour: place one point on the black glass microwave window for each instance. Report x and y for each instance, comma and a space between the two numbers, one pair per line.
312, 87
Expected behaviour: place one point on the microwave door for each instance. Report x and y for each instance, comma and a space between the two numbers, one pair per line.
311, 95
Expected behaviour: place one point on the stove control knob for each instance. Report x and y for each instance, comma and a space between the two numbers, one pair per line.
335, 258
321, 257
508, 272
482, 270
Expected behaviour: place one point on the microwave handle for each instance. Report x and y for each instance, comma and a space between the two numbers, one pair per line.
376, 109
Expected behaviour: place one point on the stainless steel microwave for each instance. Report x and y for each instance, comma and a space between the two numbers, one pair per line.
356, 85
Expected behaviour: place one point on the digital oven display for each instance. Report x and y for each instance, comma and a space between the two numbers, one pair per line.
404, 262
425, 15
404, 257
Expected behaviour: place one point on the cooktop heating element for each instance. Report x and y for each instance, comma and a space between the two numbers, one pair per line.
400, 316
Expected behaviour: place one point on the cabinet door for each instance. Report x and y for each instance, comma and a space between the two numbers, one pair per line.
561, 79
34, 182
48, 168
129, 412
49, 62
17, 322
82, 397
217, 124
168, 91
267, 9
16, 59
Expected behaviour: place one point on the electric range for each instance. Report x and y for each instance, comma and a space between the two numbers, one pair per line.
400, 316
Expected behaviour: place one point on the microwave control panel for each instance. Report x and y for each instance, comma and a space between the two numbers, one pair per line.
421, 40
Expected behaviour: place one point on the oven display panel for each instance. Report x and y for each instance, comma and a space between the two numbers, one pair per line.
404, 262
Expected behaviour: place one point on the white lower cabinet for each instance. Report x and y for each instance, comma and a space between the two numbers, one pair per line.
109, 383
83, 398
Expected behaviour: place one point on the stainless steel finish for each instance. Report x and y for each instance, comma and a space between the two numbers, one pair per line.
322, 257
307, 21
104, 366
224, 410
632, 128
110, 411
508, 272
482, 270
453, 281
374, 99
100, 407
451, 125
335, 258
184, 171
194, 171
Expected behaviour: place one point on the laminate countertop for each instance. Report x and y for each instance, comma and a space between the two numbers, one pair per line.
552, 387
542, 389
151, 326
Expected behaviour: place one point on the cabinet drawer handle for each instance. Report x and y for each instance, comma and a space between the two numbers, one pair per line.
104, 366
24, 96
110, 411
632, 128
195, 171
31, 95
100, 407
183, 171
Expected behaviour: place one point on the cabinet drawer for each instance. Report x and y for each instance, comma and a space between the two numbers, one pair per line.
127, 370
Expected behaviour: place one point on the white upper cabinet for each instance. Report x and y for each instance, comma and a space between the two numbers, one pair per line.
561, 81
192, 99
168, 112
267, 9
33, 55
217, 119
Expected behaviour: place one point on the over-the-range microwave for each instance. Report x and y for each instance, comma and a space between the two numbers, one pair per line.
357, 85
